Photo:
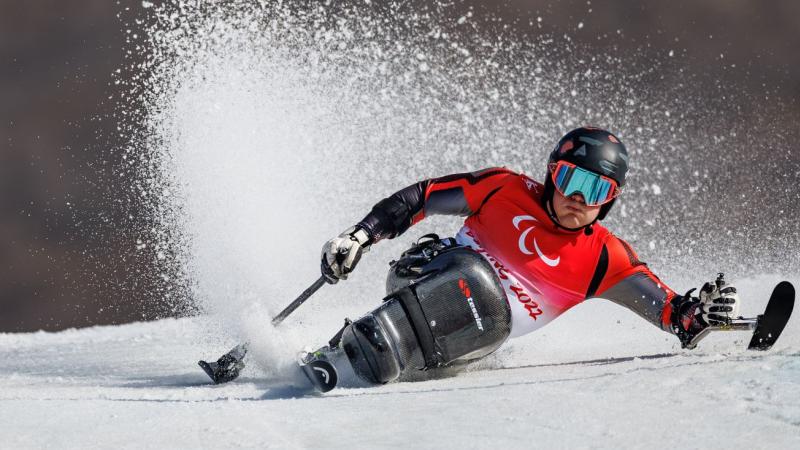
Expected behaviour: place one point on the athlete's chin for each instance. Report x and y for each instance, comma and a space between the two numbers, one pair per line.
570, 220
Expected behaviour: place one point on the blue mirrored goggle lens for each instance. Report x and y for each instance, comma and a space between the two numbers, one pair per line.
595, 189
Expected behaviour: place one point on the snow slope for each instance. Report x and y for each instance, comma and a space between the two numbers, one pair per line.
597, 377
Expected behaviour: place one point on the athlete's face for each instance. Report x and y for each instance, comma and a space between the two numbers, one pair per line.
572, 211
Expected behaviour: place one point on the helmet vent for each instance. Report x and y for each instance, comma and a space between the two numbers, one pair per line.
589, 140
608, 166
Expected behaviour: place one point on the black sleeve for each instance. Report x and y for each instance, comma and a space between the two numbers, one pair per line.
393, 215
645, 296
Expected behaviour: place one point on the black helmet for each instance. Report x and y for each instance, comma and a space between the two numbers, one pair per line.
595, 150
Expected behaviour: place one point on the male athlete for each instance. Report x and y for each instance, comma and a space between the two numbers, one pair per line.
540, 250
527, 252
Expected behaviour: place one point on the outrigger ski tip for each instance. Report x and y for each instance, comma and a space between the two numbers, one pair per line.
767, 327
770, 325
227, 367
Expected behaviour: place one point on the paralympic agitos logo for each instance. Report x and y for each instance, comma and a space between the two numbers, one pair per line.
552, 262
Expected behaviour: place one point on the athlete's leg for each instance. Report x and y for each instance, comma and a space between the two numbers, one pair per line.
452, 309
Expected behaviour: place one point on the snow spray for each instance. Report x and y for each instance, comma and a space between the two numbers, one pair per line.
269, 127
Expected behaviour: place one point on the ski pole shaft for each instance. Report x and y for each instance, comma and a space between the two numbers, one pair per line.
299, 301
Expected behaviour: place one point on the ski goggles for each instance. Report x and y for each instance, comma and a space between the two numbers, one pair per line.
596, 189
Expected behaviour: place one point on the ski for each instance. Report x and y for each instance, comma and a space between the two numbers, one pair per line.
766, 327
320, 372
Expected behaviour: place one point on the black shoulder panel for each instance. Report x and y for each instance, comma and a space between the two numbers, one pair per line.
599, 272
449, 202
473, 177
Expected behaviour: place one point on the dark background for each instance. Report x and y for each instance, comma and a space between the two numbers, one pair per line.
67, 246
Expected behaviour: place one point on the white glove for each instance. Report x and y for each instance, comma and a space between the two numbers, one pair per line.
341, 254
719, 303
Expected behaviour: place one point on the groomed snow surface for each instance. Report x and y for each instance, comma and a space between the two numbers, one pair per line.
598, 377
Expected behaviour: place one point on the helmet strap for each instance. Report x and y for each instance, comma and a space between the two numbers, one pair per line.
605, 209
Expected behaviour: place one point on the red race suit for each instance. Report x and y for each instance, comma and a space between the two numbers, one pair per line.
544, 269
